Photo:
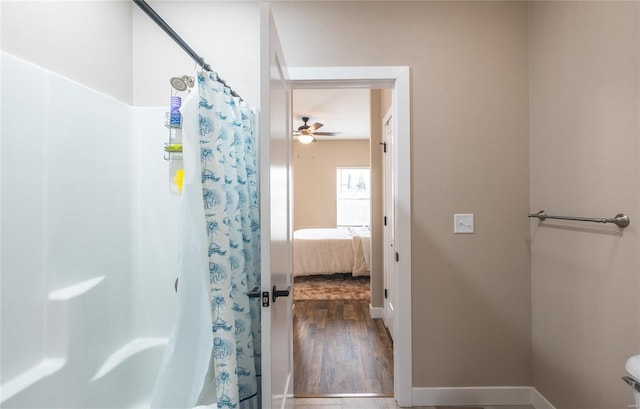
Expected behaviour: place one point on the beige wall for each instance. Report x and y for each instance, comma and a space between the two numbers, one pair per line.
470, 153
377, 277
314, 179
88, 42
585, 73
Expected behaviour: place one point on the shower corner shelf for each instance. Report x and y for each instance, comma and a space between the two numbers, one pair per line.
173, 151
173, 148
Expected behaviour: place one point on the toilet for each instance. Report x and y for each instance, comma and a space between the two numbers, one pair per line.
633, 369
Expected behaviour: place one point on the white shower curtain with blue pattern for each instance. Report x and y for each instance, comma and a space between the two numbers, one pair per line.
220, 233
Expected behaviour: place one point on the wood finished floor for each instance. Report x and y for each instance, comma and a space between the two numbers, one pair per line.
339, 349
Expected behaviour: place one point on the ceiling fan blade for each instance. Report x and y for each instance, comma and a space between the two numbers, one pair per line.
327, 133
315, 126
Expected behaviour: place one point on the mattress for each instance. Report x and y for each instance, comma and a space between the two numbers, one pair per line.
331, 250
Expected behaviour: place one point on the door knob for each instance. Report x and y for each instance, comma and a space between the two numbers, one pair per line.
279, 293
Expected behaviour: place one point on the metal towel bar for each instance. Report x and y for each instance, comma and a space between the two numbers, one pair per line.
621, 220
632, 382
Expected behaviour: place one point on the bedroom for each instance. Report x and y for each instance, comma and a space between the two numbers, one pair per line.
338, 241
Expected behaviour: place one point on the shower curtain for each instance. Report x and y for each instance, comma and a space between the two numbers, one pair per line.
213, 356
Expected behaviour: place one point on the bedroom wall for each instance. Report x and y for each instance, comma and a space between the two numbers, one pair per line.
314, 179
585, 131
470, 153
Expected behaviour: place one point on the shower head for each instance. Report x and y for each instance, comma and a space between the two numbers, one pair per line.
181, 83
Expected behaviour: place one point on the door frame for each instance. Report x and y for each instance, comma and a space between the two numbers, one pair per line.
389, 222
398, 79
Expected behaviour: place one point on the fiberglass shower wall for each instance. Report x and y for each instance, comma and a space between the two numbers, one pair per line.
88, 244
66, 231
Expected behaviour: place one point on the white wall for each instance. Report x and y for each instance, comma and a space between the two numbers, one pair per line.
23, 220
88, 41
225, 34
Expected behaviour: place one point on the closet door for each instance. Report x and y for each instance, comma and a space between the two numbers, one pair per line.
275, 202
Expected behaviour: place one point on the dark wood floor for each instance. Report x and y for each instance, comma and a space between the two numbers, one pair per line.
339, 349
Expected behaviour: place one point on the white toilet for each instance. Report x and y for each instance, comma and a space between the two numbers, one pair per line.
633, 369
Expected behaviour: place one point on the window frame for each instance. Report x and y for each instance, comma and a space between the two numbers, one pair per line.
340, 197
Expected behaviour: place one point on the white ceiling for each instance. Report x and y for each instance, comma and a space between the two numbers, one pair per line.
340, 110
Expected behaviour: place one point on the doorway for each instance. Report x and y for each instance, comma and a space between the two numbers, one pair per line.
397, 78
341, 346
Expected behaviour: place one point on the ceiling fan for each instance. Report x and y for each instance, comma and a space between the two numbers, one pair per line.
306, 133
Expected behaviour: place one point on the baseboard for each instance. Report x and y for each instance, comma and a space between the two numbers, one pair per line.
538, 401
480, 396
376, 312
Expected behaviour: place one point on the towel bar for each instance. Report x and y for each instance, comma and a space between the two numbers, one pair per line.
621, 220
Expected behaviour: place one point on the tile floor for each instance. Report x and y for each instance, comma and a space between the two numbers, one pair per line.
375, 403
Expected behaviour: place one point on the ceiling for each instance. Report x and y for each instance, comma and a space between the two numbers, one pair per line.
340, 110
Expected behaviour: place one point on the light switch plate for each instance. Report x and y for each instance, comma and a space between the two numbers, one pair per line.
463, 223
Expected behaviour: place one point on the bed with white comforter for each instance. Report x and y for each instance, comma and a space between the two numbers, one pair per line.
331, 250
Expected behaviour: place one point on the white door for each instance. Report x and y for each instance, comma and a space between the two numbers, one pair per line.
275, 211
389, 254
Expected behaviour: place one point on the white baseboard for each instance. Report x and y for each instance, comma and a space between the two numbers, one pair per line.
538, 401
480, 396
376, 312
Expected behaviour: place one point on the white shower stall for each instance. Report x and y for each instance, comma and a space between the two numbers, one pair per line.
88, 244
88, 224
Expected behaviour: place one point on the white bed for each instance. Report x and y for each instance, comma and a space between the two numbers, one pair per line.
330, 251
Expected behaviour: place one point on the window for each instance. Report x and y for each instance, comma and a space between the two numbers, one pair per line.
353, 196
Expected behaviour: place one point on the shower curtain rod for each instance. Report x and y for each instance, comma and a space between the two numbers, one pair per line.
167, 29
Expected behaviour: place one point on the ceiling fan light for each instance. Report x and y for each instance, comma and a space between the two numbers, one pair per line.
306, 139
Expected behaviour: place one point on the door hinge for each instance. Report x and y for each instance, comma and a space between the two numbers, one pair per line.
384, 146
265, 298
385, 220
386, 293
397, 256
